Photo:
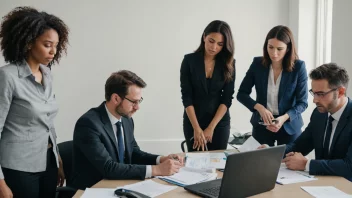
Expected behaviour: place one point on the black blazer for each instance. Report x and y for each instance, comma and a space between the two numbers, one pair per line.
195, 91
339, 161
95, 152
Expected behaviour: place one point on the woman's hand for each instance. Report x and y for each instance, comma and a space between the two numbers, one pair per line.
199, 139
208, 134
275, 127
265, 114
5, 191
61, 173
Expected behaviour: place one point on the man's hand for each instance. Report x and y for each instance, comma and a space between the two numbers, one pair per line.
295, 161
174, 157
263, 146
166, 168
5, 191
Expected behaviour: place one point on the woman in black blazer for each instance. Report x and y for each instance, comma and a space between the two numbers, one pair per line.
207, 87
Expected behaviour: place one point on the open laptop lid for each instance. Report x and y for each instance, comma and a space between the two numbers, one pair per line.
250, 173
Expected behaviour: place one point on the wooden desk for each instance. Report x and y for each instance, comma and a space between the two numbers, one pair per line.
290, 190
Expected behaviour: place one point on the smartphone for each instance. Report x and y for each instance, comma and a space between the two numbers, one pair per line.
274, 122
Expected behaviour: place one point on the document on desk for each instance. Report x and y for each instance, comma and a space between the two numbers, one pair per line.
249, 145
150, 188
206, 161
186, 177
325, 191
287, 176
99, 192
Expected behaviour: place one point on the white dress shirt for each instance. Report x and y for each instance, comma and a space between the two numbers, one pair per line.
273, 92
114, 120
336, 116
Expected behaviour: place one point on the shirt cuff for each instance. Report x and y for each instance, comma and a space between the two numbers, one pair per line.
307, 164
158, 160
148, 172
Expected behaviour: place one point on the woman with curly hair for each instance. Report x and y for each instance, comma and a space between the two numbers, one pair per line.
30, 165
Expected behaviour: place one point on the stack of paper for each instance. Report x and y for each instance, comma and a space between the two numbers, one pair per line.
325, 191
206, 161
287, 176
186, 177
249, 145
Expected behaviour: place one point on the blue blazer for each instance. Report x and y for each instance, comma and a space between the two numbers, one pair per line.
340, 157
293, 93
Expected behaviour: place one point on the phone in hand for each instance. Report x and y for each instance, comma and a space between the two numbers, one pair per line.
274, 121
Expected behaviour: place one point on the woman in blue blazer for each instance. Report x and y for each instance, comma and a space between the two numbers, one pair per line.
280, 81
207, 87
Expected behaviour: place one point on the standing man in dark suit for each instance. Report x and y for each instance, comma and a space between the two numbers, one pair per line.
330, 129
104, 146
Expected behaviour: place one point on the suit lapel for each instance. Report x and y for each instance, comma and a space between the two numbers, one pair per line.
283, 84
344, 119
107, 124
200, 67
265, 81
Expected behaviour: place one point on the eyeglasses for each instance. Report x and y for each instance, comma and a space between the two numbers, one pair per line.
321, 94
136, 102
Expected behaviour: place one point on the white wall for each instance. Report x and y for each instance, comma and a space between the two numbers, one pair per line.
341, 36
149, 38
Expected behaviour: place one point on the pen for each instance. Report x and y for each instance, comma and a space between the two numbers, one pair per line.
206, 147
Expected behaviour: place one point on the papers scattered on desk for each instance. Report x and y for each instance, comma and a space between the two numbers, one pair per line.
206, 161
150, 188
99, 192
287, 176
325, 191
186, 177
249, 145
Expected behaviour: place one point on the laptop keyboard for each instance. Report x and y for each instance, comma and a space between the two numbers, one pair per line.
214, 191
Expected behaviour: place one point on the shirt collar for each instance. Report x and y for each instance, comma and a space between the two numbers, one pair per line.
337, 114
112, 118
24, 70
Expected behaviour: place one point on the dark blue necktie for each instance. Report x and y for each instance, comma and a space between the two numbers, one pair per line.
328, 137
121, 147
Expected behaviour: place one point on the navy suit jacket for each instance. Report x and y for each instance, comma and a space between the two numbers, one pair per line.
95, 151
293, 93
206, 100
340, 157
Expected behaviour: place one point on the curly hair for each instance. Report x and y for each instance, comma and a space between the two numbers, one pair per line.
22, 26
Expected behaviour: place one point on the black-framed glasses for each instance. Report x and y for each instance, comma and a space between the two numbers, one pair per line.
321, 94
136, 102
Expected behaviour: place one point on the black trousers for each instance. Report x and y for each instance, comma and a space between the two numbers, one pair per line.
264, 136
33, 185
219, 141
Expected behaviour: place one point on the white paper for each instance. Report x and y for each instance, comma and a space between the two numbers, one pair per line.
186, 177
287, 176
150, 188
325, 192
249, 145
99, 192
207, 161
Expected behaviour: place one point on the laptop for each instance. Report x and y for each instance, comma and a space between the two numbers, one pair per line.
246, 174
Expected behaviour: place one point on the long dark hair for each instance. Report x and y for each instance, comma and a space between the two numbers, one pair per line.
283, 34
227, 52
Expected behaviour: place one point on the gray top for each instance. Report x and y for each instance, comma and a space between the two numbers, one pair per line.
28, 109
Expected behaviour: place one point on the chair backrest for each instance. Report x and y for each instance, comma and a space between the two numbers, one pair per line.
65, 149
183, 145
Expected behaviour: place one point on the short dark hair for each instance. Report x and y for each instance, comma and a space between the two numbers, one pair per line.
120, 81
227, 52
22, 26
335, 75
283, 34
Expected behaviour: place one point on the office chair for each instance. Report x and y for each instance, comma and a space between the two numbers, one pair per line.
65, 149
183, 145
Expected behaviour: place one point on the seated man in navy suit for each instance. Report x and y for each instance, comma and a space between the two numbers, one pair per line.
104, 146
330, 129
